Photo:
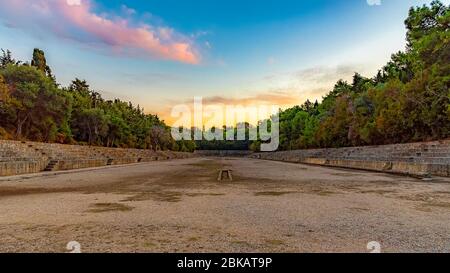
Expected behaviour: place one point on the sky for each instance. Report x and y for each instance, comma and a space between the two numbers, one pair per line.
161, 53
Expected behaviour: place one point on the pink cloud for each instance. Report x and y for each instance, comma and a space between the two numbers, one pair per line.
76, 19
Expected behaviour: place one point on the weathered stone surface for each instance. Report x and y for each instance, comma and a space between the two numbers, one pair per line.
31, 157
223, 153
425, 158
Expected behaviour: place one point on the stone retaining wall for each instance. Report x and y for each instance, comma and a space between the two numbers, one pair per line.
422, 159
428, 158
31, 157
21, 167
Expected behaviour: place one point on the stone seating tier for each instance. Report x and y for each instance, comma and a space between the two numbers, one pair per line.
424, 158
29, 157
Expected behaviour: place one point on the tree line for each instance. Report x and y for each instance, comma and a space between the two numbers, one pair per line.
34, 107
408, 100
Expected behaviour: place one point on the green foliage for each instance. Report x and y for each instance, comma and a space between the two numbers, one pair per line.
34, 107
225, 144
40, 62
408, 100
6, 59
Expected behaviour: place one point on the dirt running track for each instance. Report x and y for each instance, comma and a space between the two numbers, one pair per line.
179, 206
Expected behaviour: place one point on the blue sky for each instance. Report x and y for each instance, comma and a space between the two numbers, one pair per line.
265, 51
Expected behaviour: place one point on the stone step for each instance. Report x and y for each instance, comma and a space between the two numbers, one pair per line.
51, 165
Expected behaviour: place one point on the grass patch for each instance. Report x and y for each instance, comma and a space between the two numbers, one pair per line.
208, 164
161, 196
204, 194
346, 174
438, 204
168, 196
149, 245
321, 192
273, 193
442, 192
359, 209
108, 207
241, 243
275, 242
381, 192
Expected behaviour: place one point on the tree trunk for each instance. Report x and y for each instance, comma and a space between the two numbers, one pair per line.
90, 135
20, 124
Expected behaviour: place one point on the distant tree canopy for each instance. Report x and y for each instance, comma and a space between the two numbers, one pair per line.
223, 143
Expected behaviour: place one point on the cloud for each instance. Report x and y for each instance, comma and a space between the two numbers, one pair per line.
74, 2
277, 97
284, 89
313, 82
76, 20
325, 75
281, 98
128, 11
374, 2
271, 60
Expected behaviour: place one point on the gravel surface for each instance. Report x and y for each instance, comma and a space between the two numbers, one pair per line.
179, 206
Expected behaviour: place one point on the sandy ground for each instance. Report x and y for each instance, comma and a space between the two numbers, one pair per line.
179, 206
